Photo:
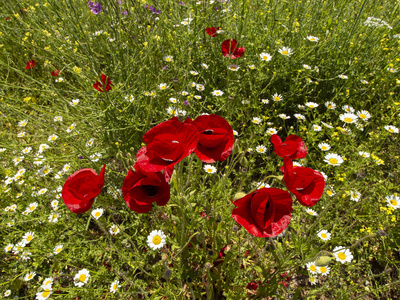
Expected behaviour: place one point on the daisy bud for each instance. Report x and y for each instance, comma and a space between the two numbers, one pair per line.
323, 261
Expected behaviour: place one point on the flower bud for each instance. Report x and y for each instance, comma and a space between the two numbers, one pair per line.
323, 261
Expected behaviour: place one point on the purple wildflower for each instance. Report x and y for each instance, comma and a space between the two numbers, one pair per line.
186, 103
125, 12
182, 3
164, 68
95, 7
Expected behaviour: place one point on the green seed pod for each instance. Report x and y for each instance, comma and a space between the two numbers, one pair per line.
243, 161
167, 273
323, 261
236, 148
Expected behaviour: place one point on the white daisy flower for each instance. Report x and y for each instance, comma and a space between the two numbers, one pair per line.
392, 129
162, 86
343, 77
285, 51
393, 201
197, 97
311, 212
313, 38
45, 293
71, 127
27, 238
26, 150
29, 276
8, 248
333, 159
311, 104
45, 171
130, 98
348, 118
233, 67
284, 117
355, 196
54, 204
95, 157
47, 281
210, 169
348, 109
261, 185
317, 127
156, 239
311, 267
265, 56
204, 66
168, 58
307, 67
364, 154
53, 218
313, 280
271, 131
323, 270
114, 229
217, 93
277, 97
22, 123
326, 125
200, 87
74, 102
257, 120
81, 278
261, 149
114, 286
342, 254
324, 146
252, 67
32, 206
57, 249
364, 115
364, 81
58, 119
265, 101
7, 293
52, 138
324, 235
330, 105
21, 134
97, 213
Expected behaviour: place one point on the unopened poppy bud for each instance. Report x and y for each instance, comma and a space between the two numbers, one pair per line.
236, 148
323, 261
167, 273
243, 161
164, 257
239, 195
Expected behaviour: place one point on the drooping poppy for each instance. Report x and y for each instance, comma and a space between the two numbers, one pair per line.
212, 31
106, 81
231, 50
264, 213
293, 146
30, 64
305, 183
81, 188
141, 189
167, 144
216, 138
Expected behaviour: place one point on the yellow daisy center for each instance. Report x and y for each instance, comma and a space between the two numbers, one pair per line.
330, 106
310, 212
261, 150
393, 202
324, 148
362, 116
168, 59
342, 256
47, 282
313, 268
66, 167
115, 287
209, 170
46, 293
115, 229
58, 250
333, 161
32, 208
348, 120
329, 192
311, 106
29, 238
53, 138
97, 214
323, 235
312, 39
354, 196
82, 277
312, 279
284, 52
391, 130
163, 87
30, 276
323, 270
156, 240
277, 98
264, 57
364, 155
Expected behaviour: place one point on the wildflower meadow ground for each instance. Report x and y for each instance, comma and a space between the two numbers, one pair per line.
200, 149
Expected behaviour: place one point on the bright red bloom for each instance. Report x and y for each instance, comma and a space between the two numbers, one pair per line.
264, 213
293, 146
106, 81
141, 189
167, 144
30, 64
81, 188
55, 73
231, 50
216, 138
212, 31
305, 183
252, 286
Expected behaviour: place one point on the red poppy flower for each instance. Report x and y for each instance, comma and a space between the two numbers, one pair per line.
212, 31
106, 81
167, 144
30, 64
293, 146
216, 138
141, 189
81, 188
264, 213
55, 73
252, 286
305, 183
231, 50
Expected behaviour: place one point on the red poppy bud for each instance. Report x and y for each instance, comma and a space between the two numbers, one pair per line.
81, 188
30, 64
212, 31
106, 81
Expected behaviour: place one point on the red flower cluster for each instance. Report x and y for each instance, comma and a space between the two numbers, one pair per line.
106, 81
231, 50
267, 212
209, 136
212, 31
30, 64
55, 73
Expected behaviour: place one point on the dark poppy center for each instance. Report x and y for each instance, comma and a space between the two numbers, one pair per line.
150, 190
208, 131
